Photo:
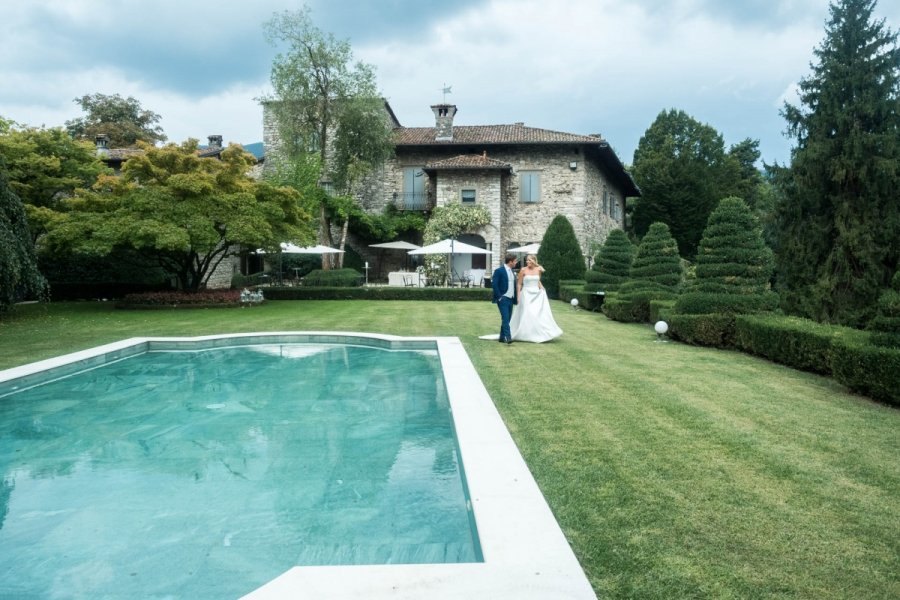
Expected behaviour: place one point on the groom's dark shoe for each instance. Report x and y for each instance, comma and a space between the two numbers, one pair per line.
505, 340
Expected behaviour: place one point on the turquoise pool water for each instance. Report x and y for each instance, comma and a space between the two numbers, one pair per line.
204, 474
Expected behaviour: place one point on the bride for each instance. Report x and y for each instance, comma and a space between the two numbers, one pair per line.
532, 320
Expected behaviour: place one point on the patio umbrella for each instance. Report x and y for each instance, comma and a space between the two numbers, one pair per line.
398, 245
450, 247
526, 249
289, 248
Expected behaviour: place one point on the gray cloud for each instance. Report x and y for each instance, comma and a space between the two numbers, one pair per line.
583, 66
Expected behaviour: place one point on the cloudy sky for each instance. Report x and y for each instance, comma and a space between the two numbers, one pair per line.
578, 66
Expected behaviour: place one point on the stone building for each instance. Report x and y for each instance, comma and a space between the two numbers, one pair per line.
524, 175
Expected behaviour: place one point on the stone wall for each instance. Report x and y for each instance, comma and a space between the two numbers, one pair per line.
584, 194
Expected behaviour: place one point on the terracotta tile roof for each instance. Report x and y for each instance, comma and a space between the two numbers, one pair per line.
468, 161
207, 152
516, 133
121, 153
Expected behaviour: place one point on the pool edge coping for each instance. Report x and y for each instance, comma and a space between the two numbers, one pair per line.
526, 555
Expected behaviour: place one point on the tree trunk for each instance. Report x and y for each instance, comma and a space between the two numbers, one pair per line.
340, 255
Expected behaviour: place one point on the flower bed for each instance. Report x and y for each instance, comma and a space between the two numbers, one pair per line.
177, 299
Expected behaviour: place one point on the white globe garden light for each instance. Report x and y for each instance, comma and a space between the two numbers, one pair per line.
661, 328
574, 303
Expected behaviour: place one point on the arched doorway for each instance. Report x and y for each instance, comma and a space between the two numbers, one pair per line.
472, 267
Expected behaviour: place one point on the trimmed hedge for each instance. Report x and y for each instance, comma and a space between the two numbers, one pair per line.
886, 324
377, 293
571, 288
703, 303
631, 303
179, 299
660, 310
715, 330
798, 343
334, 278
867, 369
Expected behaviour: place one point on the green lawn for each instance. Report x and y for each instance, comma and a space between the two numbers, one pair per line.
675, 471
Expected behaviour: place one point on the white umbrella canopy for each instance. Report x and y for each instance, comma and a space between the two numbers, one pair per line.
289, 248
527, 249
395, 245
449, 246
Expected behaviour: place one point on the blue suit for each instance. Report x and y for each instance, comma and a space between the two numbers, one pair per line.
500, 283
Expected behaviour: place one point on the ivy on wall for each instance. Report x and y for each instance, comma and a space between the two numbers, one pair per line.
450, 220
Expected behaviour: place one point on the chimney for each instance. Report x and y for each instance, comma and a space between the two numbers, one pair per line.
215, 142
443, 121
102, 141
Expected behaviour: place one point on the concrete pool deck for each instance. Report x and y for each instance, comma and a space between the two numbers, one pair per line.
526, 555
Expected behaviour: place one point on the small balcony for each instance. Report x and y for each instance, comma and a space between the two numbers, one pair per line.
413, 201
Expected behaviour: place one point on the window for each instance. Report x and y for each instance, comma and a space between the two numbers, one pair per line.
529, 186
467, 196
604, 206
414, 197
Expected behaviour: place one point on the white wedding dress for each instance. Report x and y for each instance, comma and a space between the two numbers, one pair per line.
532, 320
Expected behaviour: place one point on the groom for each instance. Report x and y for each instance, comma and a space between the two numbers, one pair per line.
505, 296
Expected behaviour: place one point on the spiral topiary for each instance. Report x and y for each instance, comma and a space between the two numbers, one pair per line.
733, 265
655, 274
611, 266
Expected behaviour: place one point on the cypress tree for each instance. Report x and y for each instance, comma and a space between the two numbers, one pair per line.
560, 255
734, 265
839, 213
612, 263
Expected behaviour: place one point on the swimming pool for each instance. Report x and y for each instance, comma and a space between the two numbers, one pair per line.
510, 545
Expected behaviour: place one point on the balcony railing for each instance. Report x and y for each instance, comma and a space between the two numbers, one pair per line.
413, 201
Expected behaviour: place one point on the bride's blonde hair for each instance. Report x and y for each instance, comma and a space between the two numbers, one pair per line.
533, 259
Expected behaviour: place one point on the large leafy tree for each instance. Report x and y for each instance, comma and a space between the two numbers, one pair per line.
839, 210
44, 166
188, 212
683, 170
124, 120
19, 275
324, 102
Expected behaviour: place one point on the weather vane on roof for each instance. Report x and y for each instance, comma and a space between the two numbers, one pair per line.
446, 90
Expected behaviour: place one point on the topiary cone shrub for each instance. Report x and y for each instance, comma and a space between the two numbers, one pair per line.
655, 274
611, 266
733, 269
560, 255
